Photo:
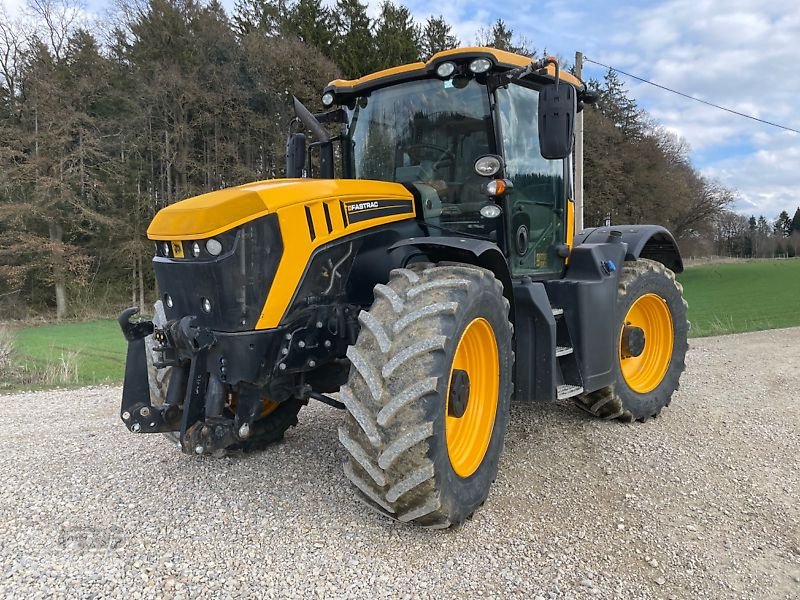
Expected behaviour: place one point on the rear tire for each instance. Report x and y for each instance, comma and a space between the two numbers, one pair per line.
408, 458
271, 427
650, 296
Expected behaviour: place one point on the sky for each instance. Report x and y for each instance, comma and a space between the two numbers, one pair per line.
742, 54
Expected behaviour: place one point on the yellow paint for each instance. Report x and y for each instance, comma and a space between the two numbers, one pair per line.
570, 226
177, 249
268, 407
468, 436
645, 372
216, 212
298, 246
501, 57
417, 66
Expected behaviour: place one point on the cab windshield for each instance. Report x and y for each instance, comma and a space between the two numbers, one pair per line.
429, 133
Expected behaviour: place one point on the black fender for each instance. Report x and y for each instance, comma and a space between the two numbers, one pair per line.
643, 241
481, 253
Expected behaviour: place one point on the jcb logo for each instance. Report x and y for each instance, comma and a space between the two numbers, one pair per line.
361, 206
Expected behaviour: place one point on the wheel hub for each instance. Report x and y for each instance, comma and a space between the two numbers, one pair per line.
459, 394
644, 365
633, 340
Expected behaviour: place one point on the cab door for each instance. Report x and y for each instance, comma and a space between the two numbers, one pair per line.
537, 205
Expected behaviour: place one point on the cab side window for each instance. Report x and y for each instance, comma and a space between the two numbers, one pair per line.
537, 202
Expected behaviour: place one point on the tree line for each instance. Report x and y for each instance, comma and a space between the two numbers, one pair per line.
103, 125
738, 236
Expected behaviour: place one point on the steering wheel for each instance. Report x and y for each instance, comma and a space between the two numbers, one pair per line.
444, 152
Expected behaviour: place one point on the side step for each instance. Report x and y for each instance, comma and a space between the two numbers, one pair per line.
568, 371
565, 391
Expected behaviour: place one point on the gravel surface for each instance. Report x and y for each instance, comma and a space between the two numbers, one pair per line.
699, 503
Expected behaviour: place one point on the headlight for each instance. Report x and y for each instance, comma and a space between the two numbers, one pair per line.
327, 99
165, 248
480, 65
195, 249
488, 165
446, 69
214, 247
490, 211
205, 304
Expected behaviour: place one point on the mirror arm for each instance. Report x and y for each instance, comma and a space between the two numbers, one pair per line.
336, 115
534, 65
310, 121
326, 170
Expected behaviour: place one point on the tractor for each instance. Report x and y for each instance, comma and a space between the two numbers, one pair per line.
417, 268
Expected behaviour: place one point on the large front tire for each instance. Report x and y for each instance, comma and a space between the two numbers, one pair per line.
650, 300
428, 394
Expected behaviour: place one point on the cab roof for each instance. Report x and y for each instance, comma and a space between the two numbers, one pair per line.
500, 58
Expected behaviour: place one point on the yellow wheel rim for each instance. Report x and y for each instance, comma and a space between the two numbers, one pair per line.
267, 406
468, 436
643, 373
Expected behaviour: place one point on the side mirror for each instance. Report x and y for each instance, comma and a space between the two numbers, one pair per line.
558, 105
296, 156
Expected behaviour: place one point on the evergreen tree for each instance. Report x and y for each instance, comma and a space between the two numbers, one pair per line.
795, 227
396, 37
615, 103
763, 227
783, 225
353, 43
312, 23
265, 16
500, 36
436, 35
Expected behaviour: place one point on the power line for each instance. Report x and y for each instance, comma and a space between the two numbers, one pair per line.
663, 87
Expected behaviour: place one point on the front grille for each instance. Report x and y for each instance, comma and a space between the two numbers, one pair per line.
234, 285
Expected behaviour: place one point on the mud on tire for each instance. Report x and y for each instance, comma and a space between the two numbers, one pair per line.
394, 431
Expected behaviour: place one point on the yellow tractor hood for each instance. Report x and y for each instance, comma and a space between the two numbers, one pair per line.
213, 213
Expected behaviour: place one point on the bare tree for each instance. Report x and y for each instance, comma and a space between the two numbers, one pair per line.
11, 48
59, 18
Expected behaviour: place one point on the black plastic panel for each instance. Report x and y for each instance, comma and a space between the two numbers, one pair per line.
236, 283
535, 335
588, 295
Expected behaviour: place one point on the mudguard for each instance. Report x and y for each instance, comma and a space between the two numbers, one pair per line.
481, 253
643, 241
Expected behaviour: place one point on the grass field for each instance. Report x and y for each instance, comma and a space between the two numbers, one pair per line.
744, 296
70, 353
723, 298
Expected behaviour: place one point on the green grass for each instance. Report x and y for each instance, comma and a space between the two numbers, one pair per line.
72, 353
723, 298
746, 296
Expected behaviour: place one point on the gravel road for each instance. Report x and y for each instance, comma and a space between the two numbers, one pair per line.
699, 503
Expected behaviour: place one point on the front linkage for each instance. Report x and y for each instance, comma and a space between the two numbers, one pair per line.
210, 368
192, 394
